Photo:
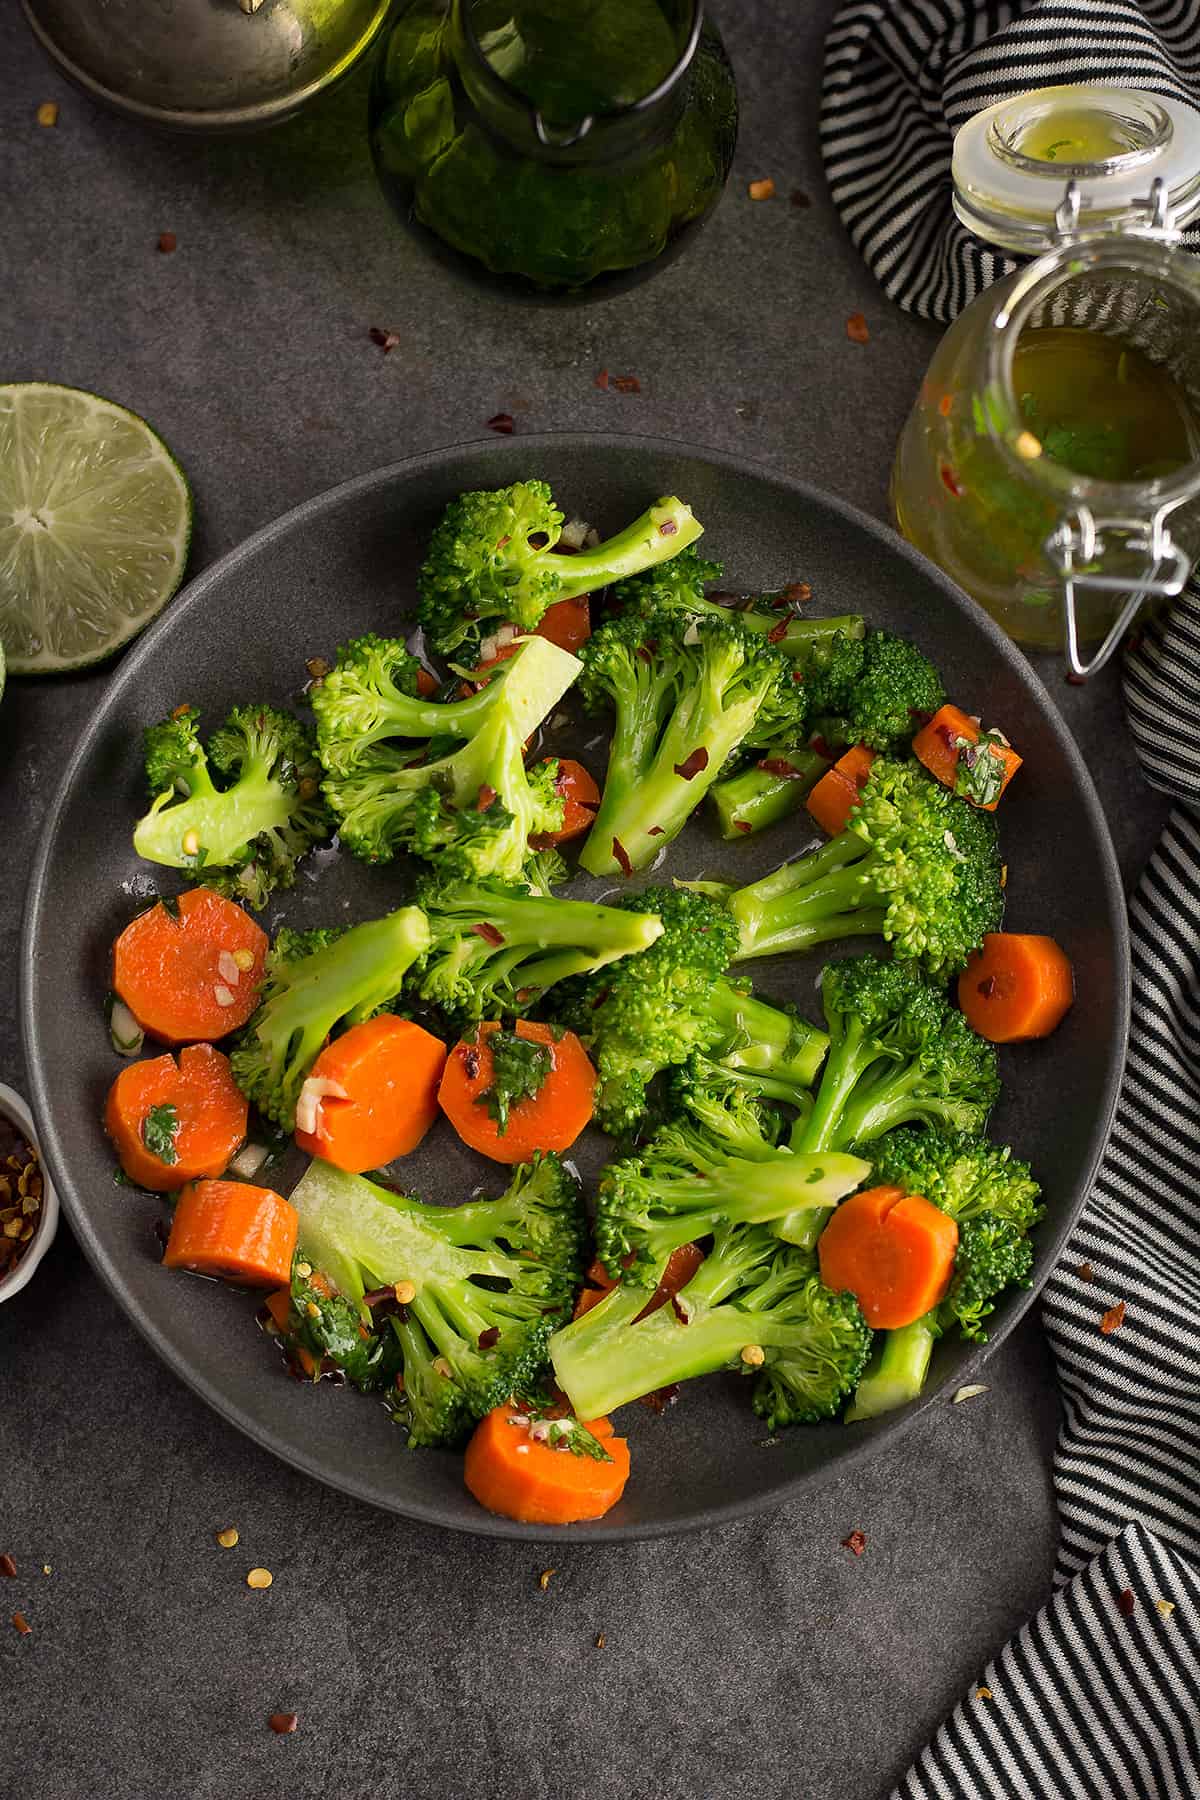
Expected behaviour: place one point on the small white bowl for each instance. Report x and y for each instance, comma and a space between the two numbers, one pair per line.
14, 1109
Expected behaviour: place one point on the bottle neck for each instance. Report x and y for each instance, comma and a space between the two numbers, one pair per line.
595, 137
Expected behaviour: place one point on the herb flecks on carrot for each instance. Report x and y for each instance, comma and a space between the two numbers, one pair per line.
551, 1119
374, 1094
837, 793
555, 1477
893, 1251
977, 764
1018, 986
235, 1231
172, 1122
189, 968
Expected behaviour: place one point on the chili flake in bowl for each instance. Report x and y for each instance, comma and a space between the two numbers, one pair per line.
28, 1203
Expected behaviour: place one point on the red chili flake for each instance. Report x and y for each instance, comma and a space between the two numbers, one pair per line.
659, 1400
387, 340
668, 528
22, 1624
799, 198
601, 997
821, 747
471, 1064
779, 765
778, 631
950, 480
488, 932
796, 675
857, 1541
601, 380
484, 798
1113, 1319
489, 1337
622, 856
795, 594
654, 831
1127, 1602
692, 765
857, 329
1074, 680
283, 1723
167, 242
501, 422
987, 986
7, 1566
644, 653
946, 405
1086, 1272
627, 384
742, 825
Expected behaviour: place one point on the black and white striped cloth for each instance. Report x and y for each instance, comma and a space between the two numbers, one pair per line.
1098, 1698
901, 76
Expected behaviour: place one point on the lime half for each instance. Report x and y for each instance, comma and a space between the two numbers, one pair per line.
95, 517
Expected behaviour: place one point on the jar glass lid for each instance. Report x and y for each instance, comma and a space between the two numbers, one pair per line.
1056, 163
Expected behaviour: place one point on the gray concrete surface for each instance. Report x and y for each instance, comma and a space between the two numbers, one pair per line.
763, 1659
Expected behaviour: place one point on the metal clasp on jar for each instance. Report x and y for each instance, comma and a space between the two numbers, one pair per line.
1077, 548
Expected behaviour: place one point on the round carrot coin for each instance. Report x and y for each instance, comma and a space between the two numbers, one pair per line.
189, 969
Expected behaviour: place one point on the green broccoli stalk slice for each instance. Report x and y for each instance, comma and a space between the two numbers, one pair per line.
899, 1054
679, 586
496, 948
490, 1280
915, 865
695, 1175
684, 694
651, 1012
314, 982
775, 787
755, 1306
492, 555
995, 1201
469, 807
247, 832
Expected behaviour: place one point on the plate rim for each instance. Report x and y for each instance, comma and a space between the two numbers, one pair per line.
192, 594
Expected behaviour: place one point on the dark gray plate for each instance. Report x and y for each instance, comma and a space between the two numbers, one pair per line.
345, 563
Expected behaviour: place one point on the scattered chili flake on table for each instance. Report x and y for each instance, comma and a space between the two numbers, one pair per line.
762, 190
857, 329
7, 1566
1074, 680
544, 1578
857, 1541
1113, 1319
47, 113
22, 1624
167, 242
1127, 1602
983, 1693
600, 1640
282, 1723
601, 379
386, 340
627, 384
501, 422
799, 198
1086, 1272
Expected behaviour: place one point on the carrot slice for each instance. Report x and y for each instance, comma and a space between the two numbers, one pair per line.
893, 1251
192, 1109
238, 1232
550, 1120
937, 745
426, 684
1020, 985
836, 794
511, 1473
389, 1070
568, 623
189, 969
581, 797
279, 1305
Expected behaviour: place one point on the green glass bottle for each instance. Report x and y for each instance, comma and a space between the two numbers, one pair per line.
553, 147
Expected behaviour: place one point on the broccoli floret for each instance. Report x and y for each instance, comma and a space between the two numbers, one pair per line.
491, 1278
679, 586
915, 865
399, 778
754, 1306
652, 1011
694, 1176
247, 834
314, 982
878, 692
496, 948
483, 562
995, 1201
685, 694
899, 1054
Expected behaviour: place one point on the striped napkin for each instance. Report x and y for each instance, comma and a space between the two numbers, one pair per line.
1098, 1698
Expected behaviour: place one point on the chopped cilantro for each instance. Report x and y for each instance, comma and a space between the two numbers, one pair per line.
980, 775
519, 1069
160, 1128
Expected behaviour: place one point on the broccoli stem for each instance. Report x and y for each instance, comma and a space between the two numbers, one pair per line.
896, 1372
806, 902
751, 801
767, 1041
221, 824
803, 639
662, 532
822, 1127
883, 1103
